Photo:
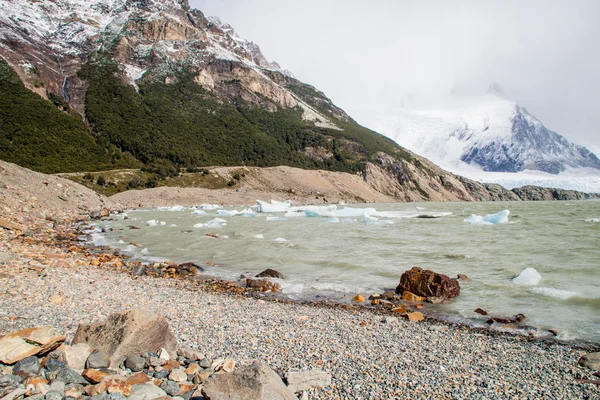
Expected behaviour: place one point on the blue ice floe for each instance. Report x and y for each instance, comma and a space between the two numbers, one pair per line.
490, 219
215, 223
274, 206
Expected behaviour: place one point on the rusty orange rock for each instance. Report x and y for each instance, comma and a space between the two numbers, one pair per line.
358, 299
415, 316
93, 375
412, 297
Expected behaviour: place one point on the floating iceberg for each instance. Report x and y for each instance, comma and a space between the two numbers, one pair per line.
320, 211
199, 212
592, 220
152, 222
281, 240
529, 277
276, 219
259, 236
225, 213
173, 208
215, 223
490, 219
369, 220
348, 212
163, 223
209, 207
274, 206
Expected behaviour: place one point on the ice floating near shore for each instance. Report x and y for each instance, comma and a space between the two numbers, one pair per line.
199, 212
556, 293
215, 223
320, 211
294, 290
173, 208
281, 240
529, 277
259, 236
490, 219
209, 207
592, 220
232, 213
152, 222
274, 206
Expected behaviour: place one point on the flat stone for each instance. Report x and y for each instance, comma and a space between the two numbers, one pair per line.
93, 375
164, 354
58, 386
97, 360
170, 387
11, 226
10, 381
228, 365
255, 381
178, 375
415, 316
35, 381
15, 394
137, 378
132, 332
54, 365
412, 297
77, 355
205, 363
135, 363
192, 369
591, 361
190, 354
185, 387
305, 380
18, 345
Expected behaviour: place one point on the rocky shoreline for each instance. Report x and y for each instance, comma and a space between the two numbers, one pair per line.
51, 278
48, 277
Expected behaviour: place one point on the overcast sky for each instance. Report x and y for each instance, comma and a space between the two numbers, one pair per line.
372, 55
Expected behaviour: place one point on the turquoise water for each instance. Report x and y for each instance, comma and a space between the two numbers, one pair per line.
560, 240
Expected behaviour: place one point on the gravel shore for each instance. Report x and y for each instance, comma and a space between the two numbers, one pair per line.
367, 358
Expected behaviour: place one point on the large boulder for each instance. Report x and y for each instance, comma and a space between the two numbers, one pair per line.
131, 332
256, 381
591, 361
425, 283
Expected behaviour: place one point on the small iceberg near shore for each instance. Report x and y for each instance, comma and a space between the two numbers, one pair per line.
528, 277
490, 219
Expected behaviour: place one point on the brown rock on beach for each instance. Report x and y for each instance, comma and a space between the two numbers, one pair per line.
426, 283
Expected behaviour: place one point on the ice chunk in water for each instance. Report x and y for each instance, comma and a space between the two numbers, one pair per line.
200, 225
490, 219
152, 222
248, 212
259, 236
216, 223
274, 206
225, 213
162, 223
209, 207
347, 212
173, 208
320, 211
276, 219
144, 250
280, 240
199, 212
592, 220
529, 276
332, 220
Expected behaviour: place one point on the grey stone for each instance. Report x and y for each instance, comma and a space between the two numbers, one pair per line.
52, 395
304, 380
146, 391
170, 387
58, 386
68, 375
135, 363
98, 397
255, 381
74, 390
205, 363
36, 397
123, 334
54, 365
97, 360
161, 374
591, 361
389, 320
178, 375
10, 381
270, 273
27, 367
155, 361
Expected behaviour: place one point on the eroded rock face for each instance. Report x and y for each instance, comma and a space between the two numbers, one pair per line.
256, 381
427, 283
133, 332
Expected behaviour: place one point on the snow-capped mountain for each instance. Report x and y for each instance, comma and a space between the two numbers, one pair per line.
492, 133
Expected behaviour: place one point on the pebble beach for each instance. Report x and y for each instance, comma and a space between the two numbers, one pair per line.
368, 355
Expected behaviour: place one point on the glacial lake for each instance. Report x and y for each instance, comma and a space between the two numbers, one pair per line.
350, 249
